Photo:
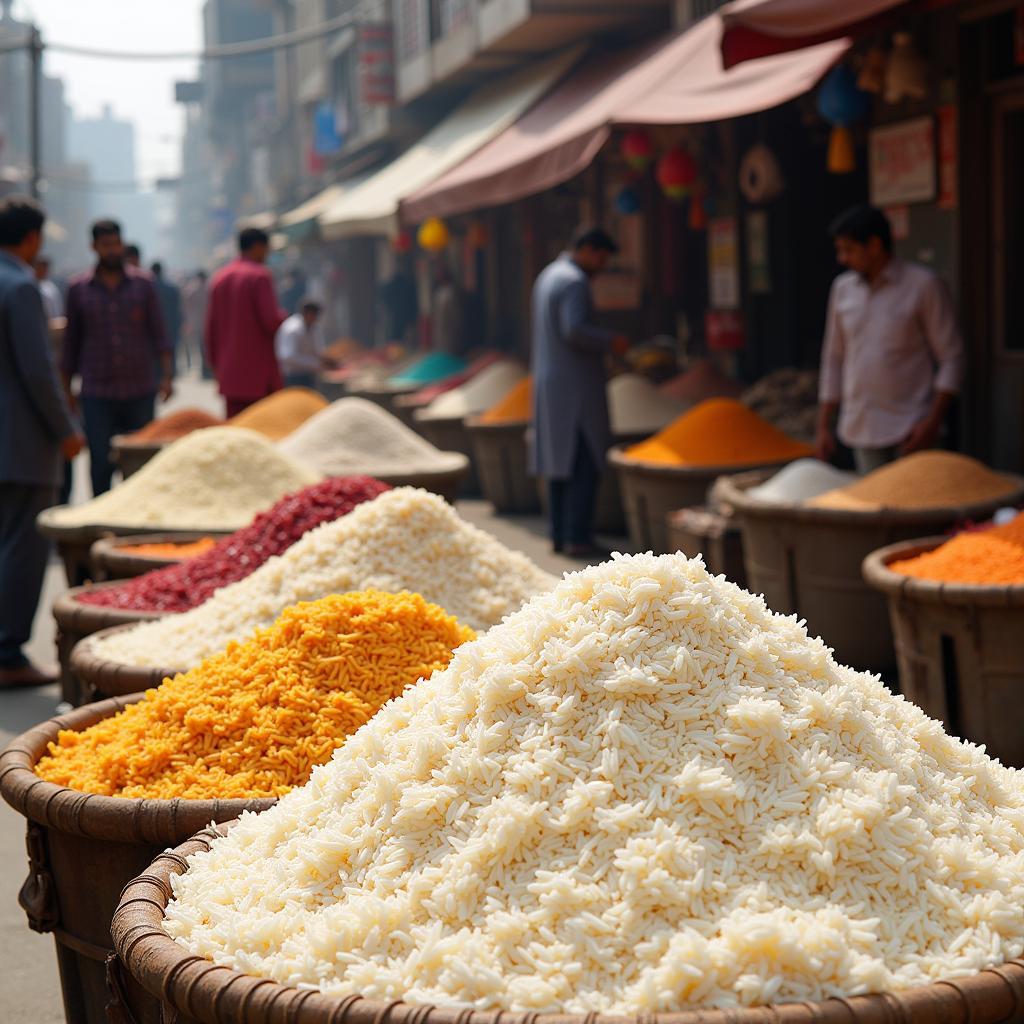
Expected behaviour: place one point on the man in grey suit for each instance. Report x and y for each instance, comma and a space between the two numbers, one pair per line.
37, 433
571, 434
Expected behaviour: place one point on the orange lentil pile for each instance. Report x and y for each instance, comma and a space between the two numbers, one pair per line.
254, 720
277, 415
932, 479
986, 557
718, 432
170, 428
515, 407
181, 551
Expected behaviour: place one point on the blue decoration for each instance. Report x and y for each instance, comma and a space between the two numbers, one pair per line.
840, 102
327, 140
627, 202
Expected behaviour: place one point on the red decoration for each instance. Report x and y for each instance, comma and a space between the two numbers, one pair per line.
402, 242
676, 173
638, 149
698, 215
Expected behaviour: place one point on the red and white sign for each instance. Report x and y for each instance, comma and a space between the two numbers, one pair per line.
902, 163
723, 330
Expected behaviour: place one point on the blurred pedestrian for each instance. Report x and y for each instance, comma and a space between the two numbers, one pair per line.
893, 357
170, 306
242, 318
53, 306
193, 300
446, 312
53, 301
114, 341
37, 432
399, 303
571, 435
133, 256
300, 346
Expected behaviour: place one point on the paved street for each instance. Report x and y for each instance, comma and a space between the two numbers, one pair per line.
29, 987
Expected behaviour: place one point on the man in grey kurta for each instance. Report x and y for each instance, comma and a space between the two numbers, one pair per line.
571, 435
37, 433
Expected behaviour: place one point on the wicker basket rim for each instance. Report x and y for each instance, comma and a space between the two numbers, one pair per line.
90, 666
67, 605
617, 457
94, 531
197, 986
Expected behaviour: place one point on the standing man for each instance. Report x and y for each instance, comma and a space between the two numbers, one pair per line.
571, 434
37, 433
194, 307
170, 307
133, 256
53, 303
114, 341
300, 346
242, 318
893, 357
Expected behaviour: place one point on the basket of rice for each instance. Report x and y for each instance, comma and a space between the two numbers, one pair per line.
957, 611
674, 468
805, 556
108, 787
642, 797
124, 558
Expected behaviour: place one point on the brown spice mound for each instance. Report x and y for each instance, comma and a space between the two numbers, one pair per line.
171, 427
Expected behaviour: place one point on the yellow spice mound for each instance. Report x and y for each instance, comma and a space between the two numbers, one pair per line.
933, 479
277, 415
256, 719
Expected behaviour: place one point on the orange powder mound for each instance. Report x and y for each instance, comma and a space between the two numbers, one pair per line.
277, 415
515, 407
171, 427
992, 557
178, 551
933, 479
718, 432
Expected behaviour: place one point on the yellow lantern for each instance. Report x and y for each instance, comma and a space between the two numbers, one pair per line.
433, 235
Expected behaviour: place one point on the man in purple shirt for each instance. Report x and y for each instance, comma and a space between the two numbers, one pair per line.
114, 339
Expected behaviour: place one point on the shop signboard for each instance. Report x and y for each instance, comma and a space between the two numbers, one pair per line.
723, 330
723, 263
902, 162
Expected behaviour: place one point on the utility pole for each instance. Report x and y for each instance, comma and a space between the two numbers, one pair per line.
35, 56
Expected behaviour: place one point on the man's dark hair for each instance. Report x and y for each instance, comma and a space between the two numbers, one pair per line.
157, 268
133, 251
861, 224
249, 238
594, 238
104, 228
19, 217
311, 306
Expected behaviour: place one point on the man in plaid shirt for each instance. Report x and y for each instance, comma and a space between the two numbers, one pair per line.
114, 341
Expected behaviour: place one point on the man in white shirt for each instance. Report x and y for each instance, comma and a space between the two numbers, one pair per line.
299, 346
892, 359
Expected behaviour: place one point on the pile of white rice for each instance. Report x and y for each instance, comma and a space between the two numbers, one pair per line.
801, 481
212, 479
636, 406
353, 436
477, 395
405, 539
642, 792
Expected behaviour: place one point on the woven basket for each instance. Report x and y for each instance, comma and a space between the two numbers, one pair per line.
451, 435
110, 562
101, 678
500, 455
445, 482
83, 850
195, 991
807, 561
130, 458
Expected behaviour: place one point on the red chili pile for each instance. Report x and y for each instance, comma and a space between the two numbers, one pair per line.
179, 587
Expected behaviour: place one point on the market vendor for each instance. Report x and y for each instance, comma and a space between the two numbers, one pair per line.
571, 434
893, 357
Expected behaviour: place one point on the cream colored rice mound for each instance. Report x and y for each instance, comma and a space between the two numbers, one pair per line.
405, 539
636, 406
642, 792
353, 436
477, 395
216, 479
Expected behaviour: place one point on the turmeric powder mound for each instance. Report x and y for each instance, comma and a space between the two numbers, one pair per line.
515, 407
254, 720
277, 415
932, 479
718, 432
186, 549
992, 557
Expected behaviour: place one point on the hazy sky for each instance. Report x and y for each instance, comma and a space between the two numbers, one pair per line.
142, 92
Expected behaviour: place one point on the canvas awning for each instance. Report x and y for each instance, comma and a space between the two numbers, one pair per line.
371, 208
759, 28
678, 80
300, 223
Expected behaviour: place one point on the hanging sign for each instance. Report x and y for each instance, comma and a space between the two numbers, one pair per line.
376, 50
902, 161
723, 263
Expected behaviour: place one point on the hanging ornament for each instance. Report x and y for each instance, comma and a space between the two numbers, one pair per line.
676, 173
433, 235
761, 178
841, 104
477, 236
907, 73
697, 217
637, 149
627, 201
872, 71
402, 242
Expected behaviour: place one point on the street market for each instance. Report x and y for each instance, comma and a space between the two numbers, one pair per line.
511, 512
